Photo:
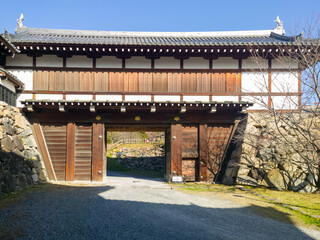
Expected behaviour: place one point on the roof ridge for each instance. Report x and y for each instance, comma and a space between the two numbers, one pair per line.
46, 31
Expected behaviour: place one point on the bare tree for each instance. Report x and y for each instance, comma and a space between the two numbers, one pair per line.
291, 123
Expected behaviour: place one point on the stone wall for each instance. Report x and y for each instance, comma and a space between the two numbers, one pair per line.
262, 158
20, 161
145, 158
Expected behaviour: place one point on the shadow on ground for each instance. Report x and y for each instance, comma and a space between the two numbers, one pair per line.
117, 212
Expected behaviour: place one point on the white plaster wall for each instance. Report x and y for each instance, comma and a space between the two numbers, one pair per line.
138, 62
284, 82
49, 96
196, 63
225, 63
108, 62
254, 63
254, 82
49, 61
80, 97
225, 98
80, 61
109, 98
196, 98
285, 102
8, 84
259, 102
20, 60
25, 76
284, 62
23, 97
167, 63
140, 98
165, 98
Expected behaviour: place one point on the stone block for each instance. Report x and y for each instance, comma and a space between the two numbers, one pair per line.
265, 154
26, 133
243, 170
7, 113
35, 177
20, 121
246, 180
8, 182
8, 129
275, 179
256, 174
7, 144
227, 180
231, 172
298, 184
18, 142
249, 161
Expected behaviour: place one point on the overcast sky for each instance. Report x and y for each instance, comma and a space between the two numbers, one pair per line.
164, 15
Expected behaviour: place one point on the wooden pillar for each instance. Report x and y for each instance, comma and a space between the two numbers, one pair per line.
176, 149
98, 152
167, 163
203, 152
71, 141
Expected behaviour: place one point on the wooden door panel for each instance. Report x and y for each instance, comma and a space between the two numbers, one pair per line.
83, 153
189, 148
217, 140
56, 140
189, 169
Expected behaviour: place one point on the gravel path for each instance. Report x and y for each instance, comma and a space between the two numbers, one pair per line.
130, 208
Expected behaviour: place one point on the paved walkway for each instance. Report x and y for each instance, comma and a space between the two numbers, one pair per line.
135, 208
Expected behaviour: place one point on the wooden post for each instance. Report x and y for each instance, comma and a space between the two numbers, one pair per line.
98, 153
71, 140
203, 152
176, 151
167, 163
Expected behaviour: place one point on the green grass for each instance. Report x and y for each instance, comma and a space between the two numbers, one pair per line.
295, 208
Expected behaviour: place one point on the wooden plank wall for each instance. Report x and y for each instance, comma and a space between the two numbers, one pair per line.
83, 153
217, 140
190, 82
56, 139
189, 148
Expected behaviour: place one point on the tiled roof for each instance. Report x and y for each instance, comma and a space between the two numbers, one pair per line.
8, 47
238, 38
12, 78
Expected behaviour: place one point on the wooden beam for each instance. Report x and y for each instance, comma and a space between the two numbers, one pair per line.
203, 152
98, 152
176, 151
71, 140
42, 146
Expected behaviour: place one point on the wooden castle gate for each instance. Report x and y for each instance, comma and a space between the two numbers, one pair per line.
73, 144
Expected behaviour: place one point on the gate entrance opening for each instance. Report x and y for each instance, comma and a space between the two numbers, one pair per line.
135, 153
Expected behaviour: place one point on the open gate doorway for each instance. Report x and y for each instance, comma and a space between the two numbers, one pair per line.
136, 152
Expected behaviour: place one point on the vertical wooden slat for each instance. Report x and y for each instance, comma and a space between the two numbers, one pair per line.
71, 131
176, 153
98, 153
203, 152
83, 153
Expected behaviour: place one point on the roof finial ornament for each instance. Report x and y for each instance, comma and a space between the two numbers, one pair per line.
19, 21
279, 27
